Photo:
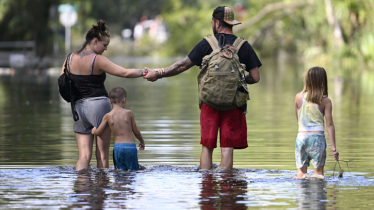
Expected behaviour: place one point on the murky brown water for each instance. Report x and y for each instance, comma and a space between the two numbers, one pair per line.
38, 148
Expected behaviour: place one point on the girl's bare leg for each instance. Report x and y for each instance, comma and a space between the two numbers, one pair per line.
319, 171
301, 171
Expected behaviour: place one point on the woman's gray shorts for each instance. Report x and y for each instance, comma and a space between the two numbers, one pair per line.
91, 111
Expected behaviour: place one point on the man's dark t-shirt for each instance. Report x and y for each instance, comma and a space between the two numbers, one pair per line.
246, 53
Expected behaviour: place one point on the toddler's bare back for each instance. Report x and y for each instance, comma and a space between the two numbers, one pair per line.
121, 125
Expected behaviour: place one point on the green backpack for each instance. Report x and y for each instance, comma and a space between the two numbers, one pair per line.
221, 75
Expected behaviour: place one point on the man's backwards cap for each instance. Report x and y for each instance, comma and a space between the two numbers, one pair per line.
226, 14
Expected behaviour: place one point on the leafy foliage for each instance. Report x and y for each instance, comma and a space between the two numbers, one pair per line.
27, 20
306, 31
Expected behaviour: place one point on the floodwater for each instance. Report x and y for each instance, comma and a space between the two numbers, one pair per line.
38, 149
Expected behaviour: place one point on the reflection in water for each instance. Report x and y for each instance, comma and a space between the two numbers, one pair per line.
311, 194
123, 186
172, 187
91, 190
222, 191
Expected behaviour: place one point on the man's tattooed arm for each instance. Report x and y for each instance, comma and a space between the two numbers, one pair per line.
178, 67
172, 70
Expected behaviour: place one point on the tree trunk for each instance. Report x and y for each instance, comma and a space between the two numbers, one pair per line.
334, 23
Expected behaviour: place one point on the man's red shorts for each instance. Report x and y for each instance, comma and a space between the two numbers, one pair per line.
232, 124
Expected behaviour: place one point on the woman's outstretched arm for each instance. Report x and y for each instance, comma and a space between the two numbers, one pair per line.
111, 68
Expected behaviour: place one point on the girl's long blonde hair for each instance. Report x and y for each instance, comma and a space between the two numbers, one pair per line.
315, 84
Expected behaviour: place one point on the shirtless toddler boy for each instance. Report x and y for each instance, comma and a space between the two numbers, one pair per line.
122, 124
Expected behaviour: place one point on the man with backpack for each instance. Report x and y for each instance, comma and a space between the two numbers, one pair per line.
223, 91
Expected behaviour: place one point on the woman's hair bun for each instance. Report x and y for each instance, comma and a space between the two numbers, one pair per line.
101, 29
101, 25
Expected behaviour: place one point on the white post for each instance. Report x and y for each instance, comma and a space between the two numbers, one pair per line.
67, 39
68, 17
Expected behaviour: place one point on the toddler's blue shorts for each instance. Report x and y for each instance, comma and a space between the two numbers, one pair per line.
125, 156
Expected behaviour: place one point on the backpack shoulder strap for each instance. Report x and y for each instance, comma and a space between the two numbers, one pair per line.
212, 42
238, 43
68, 62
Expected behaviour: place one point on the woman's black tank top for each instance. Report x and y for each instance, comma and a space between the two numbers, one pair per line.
88, 86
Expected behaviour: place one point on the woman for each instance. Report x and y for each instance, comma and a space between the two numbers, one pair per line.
88, 68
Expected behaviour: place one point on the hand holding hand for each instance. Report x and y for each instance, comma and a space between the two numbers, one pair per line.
335, 153
141, 146
93, 130
152, 75
145, 72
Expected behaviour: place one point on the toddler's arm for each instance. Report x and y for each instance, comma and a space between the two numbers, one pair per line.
136, 132
101, 127
330, 126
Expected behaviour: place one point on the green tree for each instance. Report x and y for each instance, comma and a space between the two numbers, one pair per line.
28, 21
336, 33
